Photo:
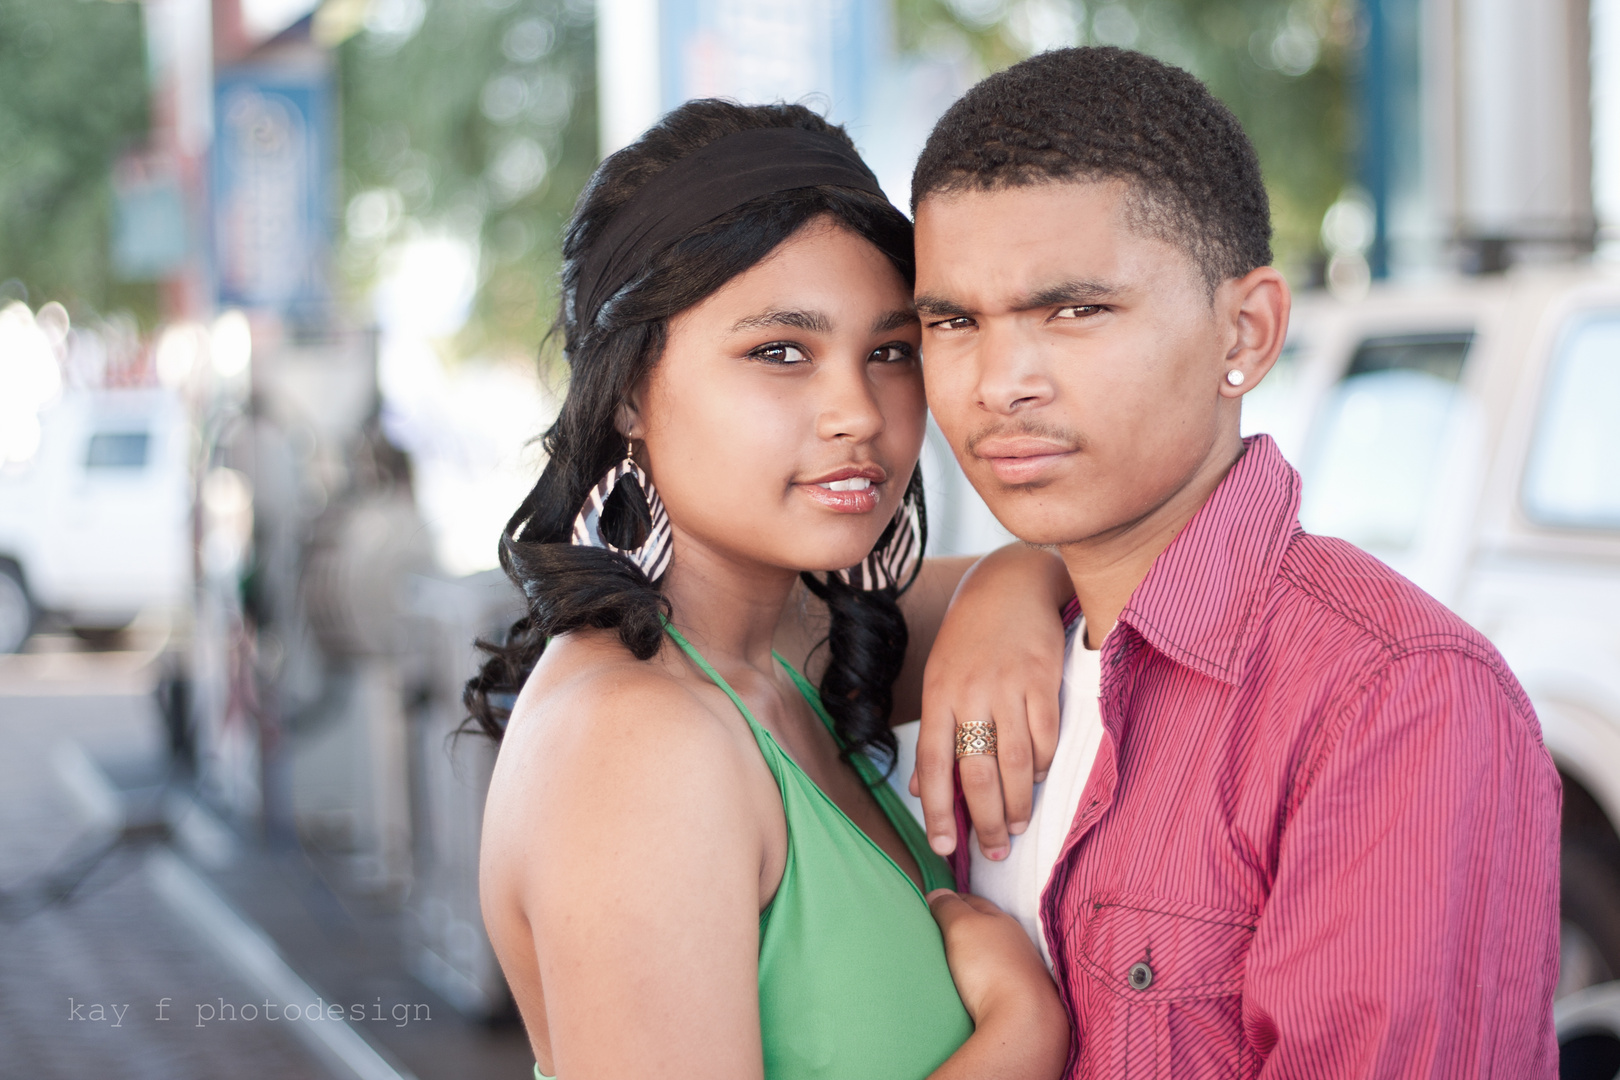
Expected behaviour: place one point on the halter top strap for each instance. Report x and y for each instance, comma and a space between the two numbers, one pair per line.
719, 680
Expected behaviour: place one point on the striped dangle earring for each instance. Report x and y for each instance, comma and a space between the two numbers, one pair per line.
653, 554
895, 558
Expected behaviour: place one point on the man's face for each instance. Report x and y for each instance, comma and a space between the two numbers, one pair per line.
1074, 362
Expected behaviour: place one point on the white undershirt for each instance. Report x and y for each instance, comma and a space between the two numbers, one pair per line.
1015, 883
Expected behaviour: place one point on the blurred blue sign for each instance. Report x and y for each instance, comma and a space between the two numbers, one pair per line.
272, 162
150, 236
755, 51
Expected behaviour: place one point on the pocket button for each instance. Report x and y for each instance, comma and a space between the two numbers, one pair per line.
1140, 976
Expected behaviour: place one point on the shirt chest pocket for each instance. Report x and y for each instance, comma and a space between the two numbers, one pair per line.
1158, 993
1159, 950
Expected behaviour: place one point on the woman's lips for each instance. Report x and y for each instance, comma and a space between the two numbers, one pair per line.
849, 497
848, 490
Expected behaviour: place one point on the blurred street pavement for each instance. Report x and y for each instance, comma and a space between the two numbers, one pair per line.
81, 981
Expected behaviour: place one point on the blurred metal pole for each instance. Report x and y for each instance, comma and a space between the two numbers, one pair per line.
180, 55
1511, 82
627, 74
1377, 133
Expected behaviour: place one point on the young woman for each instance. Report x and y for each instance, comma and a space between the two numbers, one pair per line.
691, 867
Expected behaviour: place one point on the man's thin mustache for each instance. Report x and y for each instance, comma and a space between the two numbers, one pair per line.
1031, 428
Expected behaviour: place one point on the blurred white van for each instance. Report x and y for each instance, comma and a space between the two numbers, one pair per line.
1468, 434
96, 527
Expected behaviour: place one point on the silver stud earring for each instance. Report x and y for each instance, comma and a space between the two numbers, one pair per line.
1234, 377
653, 554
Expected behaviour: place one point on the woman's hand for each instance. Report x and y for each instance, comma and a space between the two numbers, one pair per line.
998, 656
1018, 1017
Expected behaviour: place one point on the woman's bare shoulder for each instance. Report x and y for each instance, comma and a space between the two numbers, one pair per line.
587, 682
596, 729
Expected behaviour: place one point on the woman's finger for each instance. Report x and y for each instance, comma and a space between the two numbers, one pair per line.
980, 904
947, 908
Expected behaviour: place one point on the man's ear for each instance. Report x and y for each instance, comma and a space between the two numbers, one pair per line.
1257, 305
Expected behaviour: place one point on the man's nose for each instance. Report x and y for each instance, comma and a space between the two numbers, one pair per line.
1012, 377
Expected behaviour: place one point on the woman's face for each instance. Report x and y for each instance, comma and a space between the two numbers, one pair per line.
785, 417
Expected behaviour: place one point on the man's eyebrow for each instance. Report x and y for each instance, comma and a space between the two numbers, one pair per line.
814, 322
929, 305
1063, 293
1070, 294
894, 320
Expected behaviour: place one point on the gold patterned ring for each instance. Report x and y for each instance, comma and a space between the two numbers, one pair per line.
976, 737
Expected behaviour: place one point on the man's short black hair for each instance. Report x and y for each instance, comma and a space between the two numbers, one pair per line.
1092, 114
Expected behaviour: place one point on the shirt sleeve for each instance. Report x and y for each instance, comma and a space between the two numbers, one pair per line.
1412, 928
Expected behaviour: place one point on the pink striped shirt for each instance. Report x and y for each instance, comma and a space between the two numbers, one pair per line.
1321, 835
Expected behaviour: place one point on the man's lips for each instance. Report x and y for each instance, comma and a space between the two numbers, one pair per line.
1021, 459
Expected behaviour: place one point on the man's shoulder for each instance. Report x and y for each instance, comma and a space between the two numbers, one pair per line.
1338, 600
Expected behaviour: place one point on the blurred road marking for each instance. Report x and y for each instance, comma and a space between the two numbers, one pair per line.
206, 839
255, 958
87, 786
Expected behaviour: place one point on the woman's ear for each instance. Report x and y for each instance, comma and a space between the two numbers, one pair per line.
628, 421
627, 418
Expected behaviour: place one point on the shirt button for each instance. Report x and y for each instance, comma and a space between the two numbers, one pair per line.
1140, 977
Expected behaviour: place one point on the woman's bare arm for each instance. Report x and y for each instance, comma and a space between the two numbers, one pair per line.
1021, 1031
633, 852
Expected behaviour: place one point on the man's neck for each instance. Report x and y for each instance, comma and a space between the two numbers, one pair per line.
1107, 568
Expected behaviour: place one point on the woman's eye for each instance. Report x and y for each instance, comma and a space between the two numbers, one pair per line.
892, 354
781, 353
1077, 311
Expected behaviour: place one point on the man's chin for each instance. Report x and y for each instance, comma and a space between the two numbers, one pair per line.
1034, 528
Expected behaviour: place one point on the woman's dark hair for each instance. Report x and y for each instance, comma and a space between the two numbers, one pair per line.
570, 587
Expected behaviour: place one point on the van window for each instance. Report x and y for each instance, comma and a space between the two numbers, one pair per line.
1377, 450
1573, 479
117, 450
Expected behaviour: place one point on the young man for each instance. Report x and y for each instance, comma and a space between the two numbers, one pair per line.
1300, 822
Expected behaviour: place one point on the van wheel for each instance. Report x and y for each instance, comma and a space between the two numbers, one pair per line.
1589, 926
16, 611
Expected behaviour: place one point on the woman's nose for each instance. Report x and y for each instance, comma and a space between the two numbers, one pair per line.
851, 409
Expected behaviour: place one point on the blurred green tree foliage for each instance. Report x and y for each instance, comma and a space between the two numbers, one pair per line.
1282, 66
72, 96
478, 117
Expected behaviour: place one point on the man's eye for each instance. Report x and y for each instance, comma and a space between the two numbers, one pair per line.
892, 354
1077, 311
781, 353
960, 322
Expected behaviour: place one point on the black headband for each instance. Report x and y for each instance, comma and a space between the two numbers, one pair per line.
702, 186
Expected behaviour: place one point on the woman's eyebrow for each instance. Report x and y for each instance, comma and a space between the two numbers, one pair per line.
897, 319
814, 322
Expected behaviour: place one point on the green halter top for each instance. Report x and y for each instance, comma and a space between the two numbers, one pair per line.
853, 983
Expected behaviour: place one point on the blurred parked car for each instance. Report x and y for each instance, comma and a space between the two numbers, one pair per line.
1468, 434
97, 526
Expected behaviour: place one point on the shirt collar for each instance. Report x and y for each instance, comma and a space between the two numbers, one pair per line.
1201, 599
